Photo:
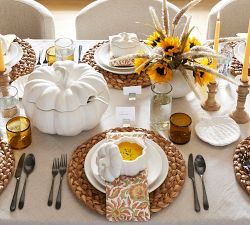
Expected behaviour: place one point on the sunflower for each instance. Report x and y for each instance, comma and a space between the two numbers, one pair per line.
159, 72
203, 78
194, 42
153, 39
137, 63
170, 45
187, 47
206, 61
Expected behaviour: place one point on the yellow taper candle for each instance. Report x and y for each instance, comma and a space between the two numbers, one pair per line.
217, 34
216, 39
244, 77
2, 65
216, 43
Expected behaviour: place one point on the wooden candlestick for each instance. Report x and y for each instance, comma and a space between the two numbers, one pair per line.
4, 82
210, 104
4, 79
239, 114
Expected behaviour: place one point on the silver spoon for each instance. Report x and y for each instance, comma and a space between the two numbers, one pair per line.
200, 167
29, 164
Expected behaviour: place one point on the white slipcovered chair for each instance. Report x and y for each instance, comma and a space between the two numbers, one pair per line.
103, 18
234, 16
26, 19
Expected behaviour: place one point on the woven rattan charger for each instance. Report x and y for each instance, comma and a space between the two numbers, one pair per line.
236, 66
27, 63
241, 154
7, 164
116, 81
159, 199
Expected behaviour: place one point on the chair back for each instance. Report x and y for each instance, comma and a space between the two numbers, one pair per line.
103, 18
26, 19
234, 17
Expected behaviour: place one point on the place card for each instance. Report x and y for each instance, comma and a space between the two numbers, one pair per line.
132, 91
125, 115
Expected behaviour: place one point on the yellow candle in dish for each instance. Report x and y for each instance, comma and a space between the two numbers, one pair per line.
244, 77
130, 151
2, 65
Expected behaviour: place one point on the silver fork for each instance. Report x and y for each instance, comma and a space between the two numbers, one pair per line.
55, 169
39, 57
246, 161
62, 171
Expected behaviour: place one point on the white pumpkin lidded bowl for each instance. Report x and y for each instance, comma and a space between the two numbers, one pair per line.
125, 156
65, 98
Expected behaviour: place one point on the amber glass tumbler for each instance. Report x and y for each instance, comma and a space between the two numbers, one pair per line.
19, 132
180, 128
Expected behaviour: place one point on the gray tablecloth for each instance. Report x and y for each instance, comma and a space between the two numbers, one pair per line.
229, 204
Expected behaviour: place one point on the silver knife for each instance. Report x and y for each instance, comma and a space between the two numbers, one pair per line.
18, 177
192, 177
79, 54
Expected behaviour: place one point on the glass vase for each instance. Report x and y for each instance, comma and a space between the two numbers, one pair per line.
160, 105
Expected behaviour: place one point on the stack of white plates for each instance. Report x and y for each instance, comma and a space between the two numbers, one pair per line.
13, 55
102, 57
157, 166
239, 52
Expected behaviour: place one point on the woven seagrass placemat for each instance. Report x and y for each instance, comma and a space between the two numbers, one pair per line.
236, 66
7, 164
116, 81
159, 199
241, 155
27, 63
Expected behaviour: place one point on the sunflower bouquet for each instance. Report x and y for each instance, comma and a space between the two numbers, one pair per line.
172, 52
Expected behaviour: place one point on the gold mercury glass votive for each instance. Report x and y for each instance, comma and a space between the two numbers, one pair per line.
51, 55
180, 128
19, 132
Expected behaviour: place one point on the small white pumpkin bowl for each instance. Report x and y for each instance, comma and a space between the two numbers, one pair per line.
65, 98
131, 168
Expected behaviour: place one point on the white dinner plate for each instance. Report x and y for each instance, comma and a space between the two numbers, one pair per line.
102, 58
157, 166
239, 52
14, 54
242, 35
218, 131
19, 84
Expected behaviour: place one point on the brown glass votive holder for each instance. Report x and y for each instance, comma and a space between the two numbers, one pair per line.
180, 128
19, 132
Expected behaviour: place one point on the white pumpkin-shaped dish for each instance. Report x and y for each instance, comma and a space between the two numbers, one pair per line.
65, 98
109, 161
133, 167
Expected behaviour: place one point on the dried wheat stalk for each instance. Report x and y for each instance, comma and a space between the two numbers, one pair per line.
183, 11
196, 55
156, 22
165, 16
189, 82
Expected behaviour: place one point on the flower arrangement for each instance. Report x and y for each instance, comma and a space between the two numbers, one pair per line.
173, 52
